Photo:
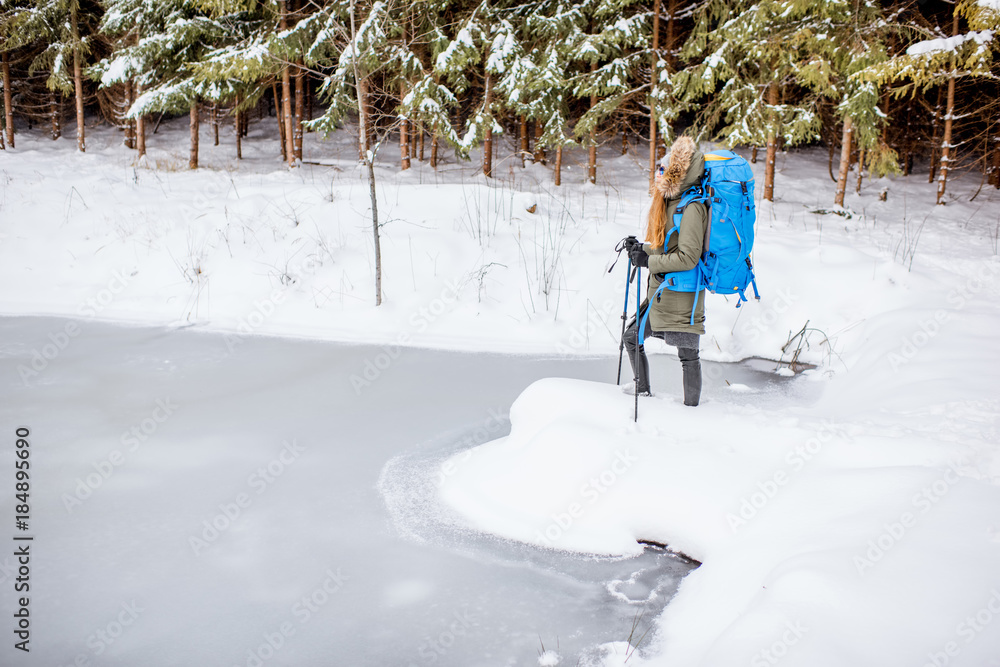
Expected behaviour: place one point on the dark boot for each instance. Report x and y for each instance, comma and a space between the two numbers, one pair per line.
691, 367
642, 372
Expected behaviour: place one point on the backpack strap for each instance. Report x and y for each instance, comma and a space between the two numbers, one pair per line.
649, 307
692, 194
694, 306
645, 315
753, 283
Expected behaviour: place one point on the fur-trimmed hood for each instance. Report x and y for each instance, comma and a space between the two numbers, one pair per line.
683, 170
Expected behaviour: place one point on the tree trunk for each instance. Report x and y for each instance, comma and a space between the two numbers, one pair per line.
421, 135
7, 96
935, 127
286, 94
995, 171
539, 150
281, 122
592, 149
488, 142
55, 114
238, 127
653, 78
378, 248
524, 139
193, 159
309, 97
363, 125
133, 124
996, 163
946, 144
413, 140
404, 144
300, 108
861, 169
434, 148
753, 154
81, 129
624, 142
558, 168
845, 161
140, 131
671, 12
772, 146
214, 115
287, 120
364, 142
81, 140
130, 122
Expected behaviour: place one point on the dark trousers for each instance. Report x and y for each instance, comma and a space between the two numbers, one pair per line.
687, 352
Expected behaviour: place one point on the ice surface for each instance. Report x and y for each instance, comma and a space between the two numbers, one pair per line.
341, 537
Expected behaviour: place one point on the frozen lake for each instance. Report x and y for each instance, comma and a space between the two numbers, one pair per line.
200, 501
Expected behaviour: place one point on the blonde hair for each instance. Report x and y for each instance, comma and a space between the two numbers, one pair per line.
656, 220
668, 186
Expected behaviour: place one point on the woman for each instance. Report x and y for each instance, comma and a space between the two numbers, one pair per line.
670, 318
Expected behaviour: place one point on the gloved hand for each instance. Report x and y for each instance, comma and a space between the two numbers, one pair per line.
639, 257
630, 244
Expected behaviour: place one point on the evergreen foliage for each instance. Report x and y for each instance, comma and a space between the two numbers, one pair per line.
579, 70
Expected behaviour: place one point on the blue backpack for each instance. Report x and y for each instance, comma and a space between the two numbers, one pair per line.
724, 267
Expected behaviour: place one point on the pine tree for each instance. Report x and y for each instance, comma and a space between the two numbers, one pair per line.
170, 37
943, 61
353, 61
534, 82
10, 11
547, 92
67, 28
761, 70
860, 31
486, 44
610, 50
616, 48
8, 103
124, 22
267, 43
428, 101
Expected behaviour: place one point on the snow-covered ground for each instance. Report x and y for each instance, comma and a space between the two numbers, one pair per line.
858, 525
253, 247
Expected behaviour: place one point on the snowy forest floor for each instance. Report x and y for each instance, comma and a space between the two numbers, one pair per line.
253, 247
861, 527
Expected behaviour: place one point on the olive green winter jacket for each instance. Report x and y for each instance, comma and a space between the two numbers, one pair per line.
672, 310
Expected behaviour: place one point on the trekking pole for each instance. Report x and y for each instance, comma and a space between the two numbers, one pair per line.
621, 341
638, 347
629, 274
